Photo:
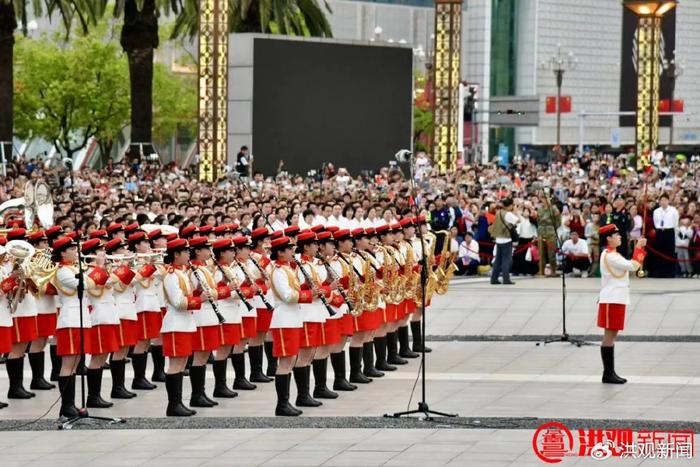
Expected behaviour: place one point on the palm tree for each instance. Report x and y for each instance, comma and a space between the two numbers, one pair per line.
84, 12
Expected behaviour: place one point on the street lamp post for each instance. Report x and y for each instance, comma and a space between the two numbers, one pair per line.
674, 70
649, 72
560, 63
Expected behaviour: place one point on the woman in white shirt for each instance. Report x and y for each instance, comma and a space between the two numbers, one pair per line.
527, 233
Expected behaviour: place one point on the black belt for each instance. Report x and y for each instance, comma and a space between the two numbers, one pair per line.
664, 230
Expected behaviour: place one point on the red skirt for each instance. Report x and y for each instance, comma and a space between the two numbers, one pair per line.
311, 335
347, 325
286, 341
68, 341
365, 322
178, 344
331, 332
230, 334
46, 324
127, 334
103, 339
264, 319
25, 329
250, 327
402, 311
611, 316
149, 323
411, 306
207, 338
5, 339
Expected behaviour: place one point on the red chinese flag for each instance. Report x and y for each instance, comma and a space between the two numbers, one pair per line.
565, 104
664, 105
550, 104
678, 105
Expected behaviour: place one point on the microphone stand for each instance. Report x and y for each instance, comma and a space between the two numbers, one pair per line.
564, 337
423, 407
83, 412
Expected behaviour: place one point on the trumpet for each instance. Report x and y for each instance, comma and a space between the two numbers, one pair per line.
111, 257
149, 258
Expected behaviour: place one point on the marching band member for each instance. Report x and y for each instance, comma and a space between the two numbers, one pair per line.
428, 248
7, 285
46, 321
148, 312
159, 243
179, 327
411, 270
230, 329
614, 294
104, 318
388, 308
116, 230
24, 322
47, 324
70, 339
208, 337
287, 324
261, 269
122, 289
342, 262
248, 317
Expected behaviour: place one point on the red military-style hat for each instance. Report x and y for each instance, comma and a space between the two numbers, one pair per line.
73, 234
259, 233
420, 220
396, 227
99, 234
53, 232
37, 237
341, 234
276, 234
114, 245
370, 232
324, 237
137, 237
133, 227
62, 244
16, 223
188, 231
199, 242
91, 245
406, 222
358, 233
382, 229
332, 228
175, 245
223, 244
16, 234
317, 228
291, 231
281, 243
114, 228
241, 241
607, 229
155, 234
306, 237
222, 229
234, 227
206, 229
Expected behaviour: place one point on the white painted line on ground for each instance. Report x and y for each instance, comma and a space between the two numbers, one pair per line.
541, 378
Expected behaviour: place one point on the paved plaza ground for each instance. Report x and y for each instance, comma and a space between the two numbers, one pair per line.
486, 366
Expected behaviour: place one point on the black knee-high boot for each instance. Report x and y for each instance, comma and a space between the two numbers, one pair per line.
138, 361
15, 374
240, 381
255, 354
173, 384
55, 363
284, 408
607, 354
220, 388
340, 382
356, 375
119, 391
36, 361
392, 345
381, 364
321, 391
418, 343
66, 384
94, 398
197, 379
158, 364
404, 345
302, 377
271, 360
81, 368
368, 361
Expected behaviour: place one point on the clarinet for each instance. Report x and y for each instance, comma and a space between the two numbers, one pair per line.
237, 289
312, 283
263, 273
335, 277
252, 282
371, 263
202, 283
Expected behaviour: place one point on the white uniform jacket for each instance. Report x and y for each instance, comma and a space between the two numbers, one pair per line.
615, 278
180, 302
146, 291
205, 316
69, 307
230, 308
288, 294
103, 307
314, 312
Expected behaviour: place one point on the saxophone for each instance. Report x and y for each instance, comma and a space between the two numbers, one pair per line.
412, 280
446, 268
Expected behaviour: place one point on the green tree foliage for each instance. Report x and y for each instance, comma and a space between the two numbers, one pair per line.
174, 104
70, 94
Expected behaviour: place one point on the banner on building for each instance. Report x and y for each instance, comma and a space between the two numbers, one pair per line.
628, 71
